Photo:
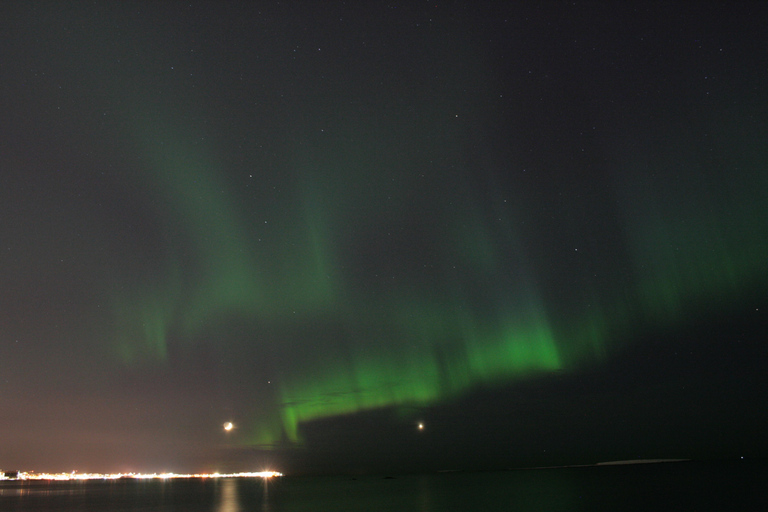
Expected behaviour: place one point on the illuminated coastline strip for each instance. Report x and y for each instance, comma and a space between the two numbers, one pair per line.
31, 475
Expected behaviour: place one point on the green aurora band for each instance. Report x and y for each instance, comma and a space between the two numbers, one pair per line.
459, 309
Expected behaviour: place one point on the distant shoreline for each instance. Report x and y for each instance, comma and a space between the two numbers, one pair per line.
638, 461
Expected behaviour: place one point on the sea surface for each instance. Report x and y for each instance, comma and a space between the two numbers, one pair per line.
741, 485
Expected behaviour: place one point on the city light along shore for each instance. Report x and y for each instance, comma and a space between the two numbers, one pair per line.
31, 475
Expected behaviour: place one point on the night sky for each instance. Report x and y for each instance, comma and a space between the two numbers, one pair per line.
539, 230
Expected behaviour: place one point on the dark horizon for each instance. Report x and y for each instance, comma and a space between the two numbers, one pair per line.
381, 237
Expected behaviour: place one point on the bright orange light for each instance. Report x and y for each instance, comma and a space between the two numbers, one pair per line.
228, 426
421, 426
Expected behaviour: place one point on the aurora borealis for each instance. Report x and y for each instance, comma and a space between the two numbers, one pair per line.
312, 221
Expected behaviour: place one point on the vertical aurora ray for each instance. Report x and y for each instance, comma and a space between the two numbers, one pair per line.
415, 369
208, 258
524, 226
398, 335
212, 266
388, 271
222, 252
404, 330
698, 235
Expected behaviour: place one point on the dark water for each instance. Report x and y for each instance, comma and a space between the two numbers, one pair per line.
673, 486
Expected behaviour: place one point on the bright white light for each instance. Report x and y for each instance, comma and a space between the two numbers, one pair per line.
24, 475
421, 426
228, 426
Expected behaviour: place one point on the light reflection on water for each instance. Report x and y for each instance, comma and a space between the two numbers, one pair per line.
265, 507
693, 486
229, 501
26, 491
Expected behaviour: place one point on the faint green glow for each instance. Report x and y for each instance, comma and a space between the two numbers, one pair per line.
223, 259
215, 268
691, 245
451, 302
404, 348
143, 328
